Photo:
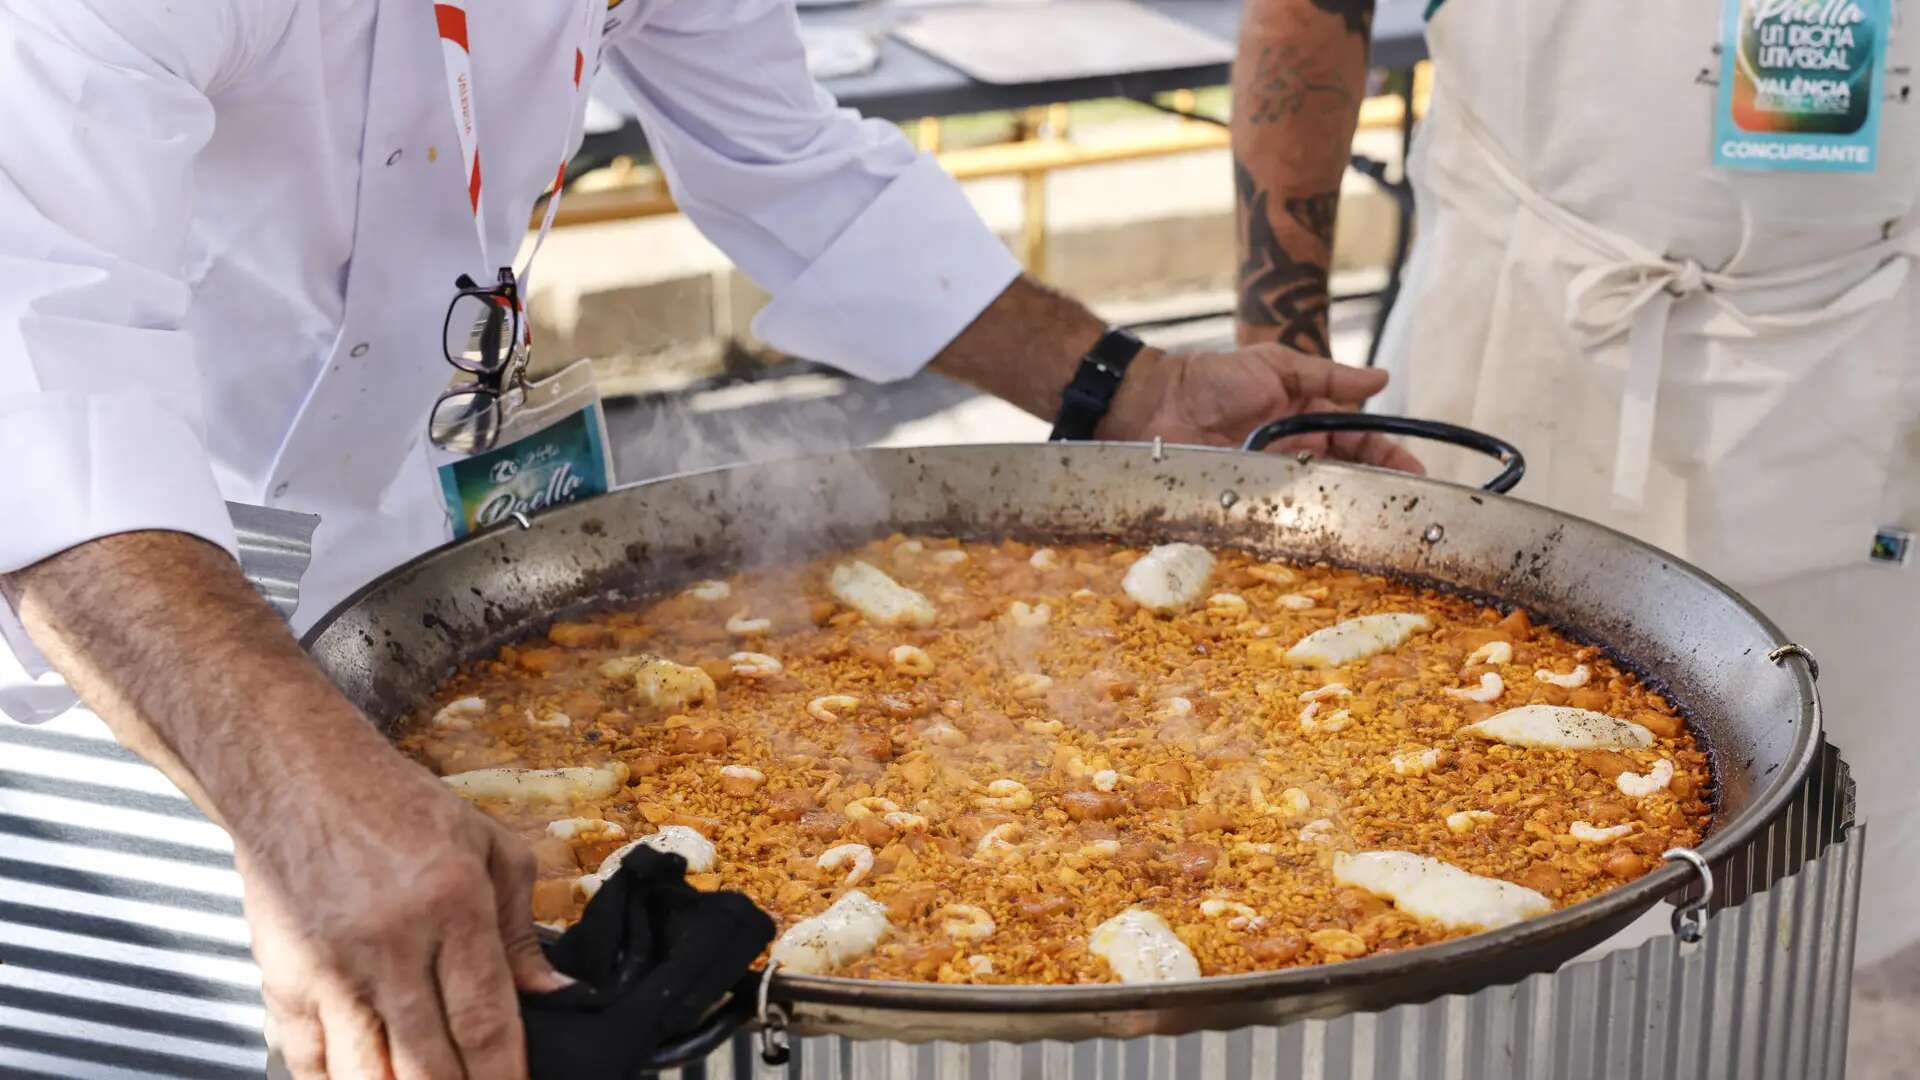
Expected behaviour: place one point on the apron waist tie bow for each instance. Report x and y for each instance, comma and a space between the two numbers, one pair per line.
1628, 289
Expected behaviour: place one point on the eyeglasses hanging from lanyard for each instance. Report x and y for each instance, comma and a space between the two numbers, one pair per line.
486, 332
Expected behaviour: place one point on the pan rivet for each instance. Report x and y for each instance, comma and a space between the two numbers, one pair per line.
1159, 448
1228, 498
1434, 533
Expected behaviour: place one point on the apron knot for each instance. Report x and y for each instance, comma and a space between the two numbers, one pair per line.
1689, 278
1605, 299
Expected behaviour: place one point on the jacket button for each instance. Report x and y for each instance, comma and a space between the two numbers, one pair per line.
279, 489
359, 350
393, 157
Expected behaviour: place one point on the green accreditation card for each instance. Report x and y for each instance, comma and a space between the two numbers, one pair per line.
1800, 84
553, 450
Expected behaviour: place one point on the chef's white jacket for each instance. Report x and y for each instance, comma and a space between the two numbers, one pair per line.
229, 231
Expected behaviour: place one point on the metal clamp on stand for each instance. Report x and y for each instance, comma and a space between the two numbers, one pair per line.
773, 1019
1690, 918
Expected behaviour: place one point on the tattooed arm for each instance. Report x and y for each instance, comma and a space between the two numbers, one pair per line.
1297, 84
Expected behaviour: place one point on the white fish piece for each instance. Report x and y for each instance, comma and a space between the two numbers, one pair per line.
1356, 639
459, 714
1140, 947
1561, 727
883, 601
845, 932
671, 839
1430, 889
580, 782
661, 682
1641, 785
710, 591
555, 719
1169, 577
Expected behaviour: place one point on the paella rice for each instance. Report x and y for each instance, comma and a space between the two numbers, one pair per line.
991, 762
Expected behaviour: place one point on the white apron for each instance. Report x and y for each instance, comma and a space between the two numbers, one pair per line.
1722, 363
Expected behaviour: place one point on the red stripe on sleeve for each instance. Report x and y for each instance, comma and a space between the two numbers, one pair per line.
579, 64
473, 183
453, 24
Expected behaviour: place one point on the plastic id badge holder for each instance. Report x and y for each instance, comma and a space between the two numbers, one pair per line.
1800, 84
552, 450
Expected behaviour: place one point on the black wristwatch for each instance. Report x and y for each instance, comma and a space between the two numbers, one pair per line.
1088, 397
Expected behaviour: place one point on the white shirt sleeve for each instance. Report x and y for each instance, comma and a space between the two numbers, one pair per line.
100, 415
874, 257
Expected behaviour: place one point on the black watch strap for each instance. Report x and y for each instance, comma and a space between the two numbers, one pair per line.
1088, 397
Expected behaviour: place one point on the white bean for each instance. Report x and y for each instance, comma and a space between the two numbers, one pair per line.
1467, 820
911, 660
1005, 795
754, 665
1028, 616
740, 625
1030, 685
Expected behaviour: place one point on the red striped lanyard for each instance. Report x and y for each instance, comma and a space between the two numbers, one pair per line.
451, 15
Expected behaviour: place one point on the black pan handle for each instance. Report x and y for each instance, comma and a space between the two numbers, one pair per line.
714, 1030
1316, 423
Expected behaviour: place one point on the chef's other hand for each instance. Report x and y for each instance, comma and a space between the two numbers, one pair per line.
391, 922
1218, 399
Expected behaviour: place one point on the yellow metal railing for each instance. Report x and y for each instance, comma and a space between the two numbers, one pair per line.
1041, 149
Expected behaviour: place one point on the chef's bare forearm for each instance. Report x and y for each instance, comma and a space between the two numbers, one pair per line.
1298, 81
163, 638
1024, 347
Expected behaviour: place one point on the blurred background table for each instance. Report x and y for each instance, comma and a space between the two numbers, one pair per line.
907, 84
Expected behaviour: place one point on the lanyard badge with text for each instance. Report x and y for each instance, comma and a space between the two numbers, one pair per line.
503, 445
1800, 84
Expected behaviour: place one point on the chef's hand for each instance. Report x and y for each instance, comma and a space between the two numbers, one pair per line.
390, 919
391, 924
1027, 344
1217, 399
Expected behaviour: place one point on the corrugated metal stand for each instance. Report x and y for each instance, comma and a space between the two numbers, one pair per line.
1762, 997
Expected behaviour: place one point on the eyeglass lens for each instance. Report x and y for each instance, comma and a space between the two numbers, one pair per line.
465, 421
479, 333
